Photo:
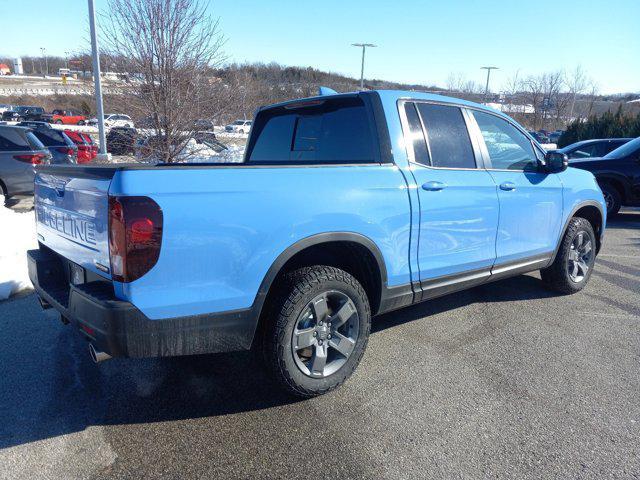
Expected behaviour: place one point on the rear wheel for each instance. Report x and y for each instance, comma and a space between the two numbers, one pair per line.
58, 122
612, 198
574, 261
81, 122
317, 330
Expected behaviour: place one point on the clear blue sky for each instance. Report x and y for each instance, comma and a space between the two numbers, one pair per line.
419, 42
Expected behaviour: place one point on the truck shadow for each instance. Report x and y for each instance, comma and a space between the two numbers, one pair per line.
626, 219
51, 388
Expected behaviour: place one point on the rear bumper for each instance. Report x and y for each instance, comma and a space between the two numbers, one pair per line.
121, 330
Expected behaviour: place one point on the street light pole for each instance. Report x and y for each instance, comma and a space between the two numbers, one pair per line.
364, 47
486, 88
66, 60
96, 78
43, 51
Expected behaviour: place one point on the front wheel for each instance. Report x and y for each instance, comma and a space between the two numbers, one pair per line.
317, 330
612, 198
572, 267
58, 122
81, 122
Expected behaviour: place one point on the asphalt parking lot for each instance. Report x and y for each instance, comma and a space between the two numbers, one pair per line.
504, 381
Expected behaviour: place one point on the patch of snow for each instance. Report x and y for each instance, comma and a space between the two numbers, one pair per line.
17, 235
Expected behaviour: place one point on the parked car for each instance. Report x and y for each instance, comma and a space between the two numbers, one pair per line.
66, 117
5, 107
239, 126
19, 114
203, 125
618, 174
20, 152
554, 137
122, 140
114, 120
94, 146
60, 146
593, 148
346, 206
85, 147
539, 137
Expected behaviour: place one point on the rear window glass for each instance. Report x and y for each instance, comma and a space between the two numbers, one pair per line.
13, 140
50, 137
447, 136
34, 142
334, 130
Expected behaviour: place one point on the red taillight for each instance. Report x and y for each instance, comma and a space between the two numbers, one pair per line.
135, 236
32, 158
65, 150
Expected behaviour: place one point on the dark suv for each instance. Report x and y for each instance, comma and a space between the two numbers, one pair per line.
618, 174
598, 147
19, 114
62, 149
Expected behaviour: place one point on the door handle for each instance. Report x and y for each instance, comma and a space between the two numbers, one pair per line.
433, 186
507, 186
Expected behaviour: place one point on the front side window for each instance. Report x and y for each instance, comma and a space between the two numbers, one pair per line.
509, 149
585, 151
333, 130
447, 136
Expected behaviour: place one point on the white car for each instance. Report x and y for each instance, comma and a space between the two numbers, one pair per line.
4, 107
114, 120
239, 126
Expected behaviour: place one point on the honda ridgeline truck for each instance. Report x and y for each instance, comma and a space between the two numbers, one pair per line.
346, 206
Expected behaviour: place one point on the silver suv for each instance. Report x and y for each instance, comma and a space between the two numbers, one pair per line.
20, 152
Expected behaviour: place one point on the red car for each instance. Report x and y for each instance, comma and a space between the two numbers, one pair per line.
66, 117
87, 150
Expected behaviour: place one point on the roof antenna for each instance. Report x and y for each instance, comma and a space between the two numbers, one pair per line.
326, 91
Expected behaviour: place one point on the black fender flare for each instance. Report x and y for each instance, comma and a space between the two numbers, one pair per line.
586, 203
300, 245
608, 177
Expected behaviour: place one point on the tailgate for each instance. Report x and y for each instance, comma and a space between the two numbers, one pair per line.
72, 209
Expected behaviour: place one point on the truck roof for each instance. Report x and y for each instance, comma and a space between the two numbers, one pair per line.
394, 96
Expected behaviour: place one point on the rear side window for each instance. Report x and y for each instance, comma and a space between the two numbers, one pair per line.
333, 130
420, 152
447, 136
13, 140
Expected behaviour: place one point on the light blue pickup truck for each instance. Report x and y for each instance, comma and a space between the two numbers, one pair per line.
346, 206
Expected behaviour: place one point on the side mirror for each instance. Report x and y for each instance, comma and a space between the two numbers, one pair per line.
555, 162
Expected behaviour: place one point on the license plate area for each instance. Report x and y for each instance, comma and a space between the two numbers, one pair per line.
77, 274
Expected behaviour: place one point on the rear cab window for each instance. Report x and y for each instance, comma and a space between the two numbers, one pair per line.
335, 130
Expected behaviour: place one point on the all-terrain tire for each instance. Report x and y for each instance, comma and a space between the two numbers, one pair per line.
294, 293
557, 276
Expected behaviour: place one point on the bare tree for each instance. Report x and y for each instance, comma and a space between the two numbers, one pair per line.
457, 82
168, 50
577, 82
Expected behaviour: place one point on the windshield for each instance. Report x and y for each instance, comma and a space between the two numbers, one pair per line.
239, 122
625, 150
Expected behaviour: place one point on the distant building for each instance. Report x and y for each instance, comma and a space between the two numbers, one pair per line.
4, 69
17, 66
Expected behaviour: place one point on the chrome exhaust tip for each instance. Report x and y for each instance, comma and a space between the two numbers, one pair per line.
97, 356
